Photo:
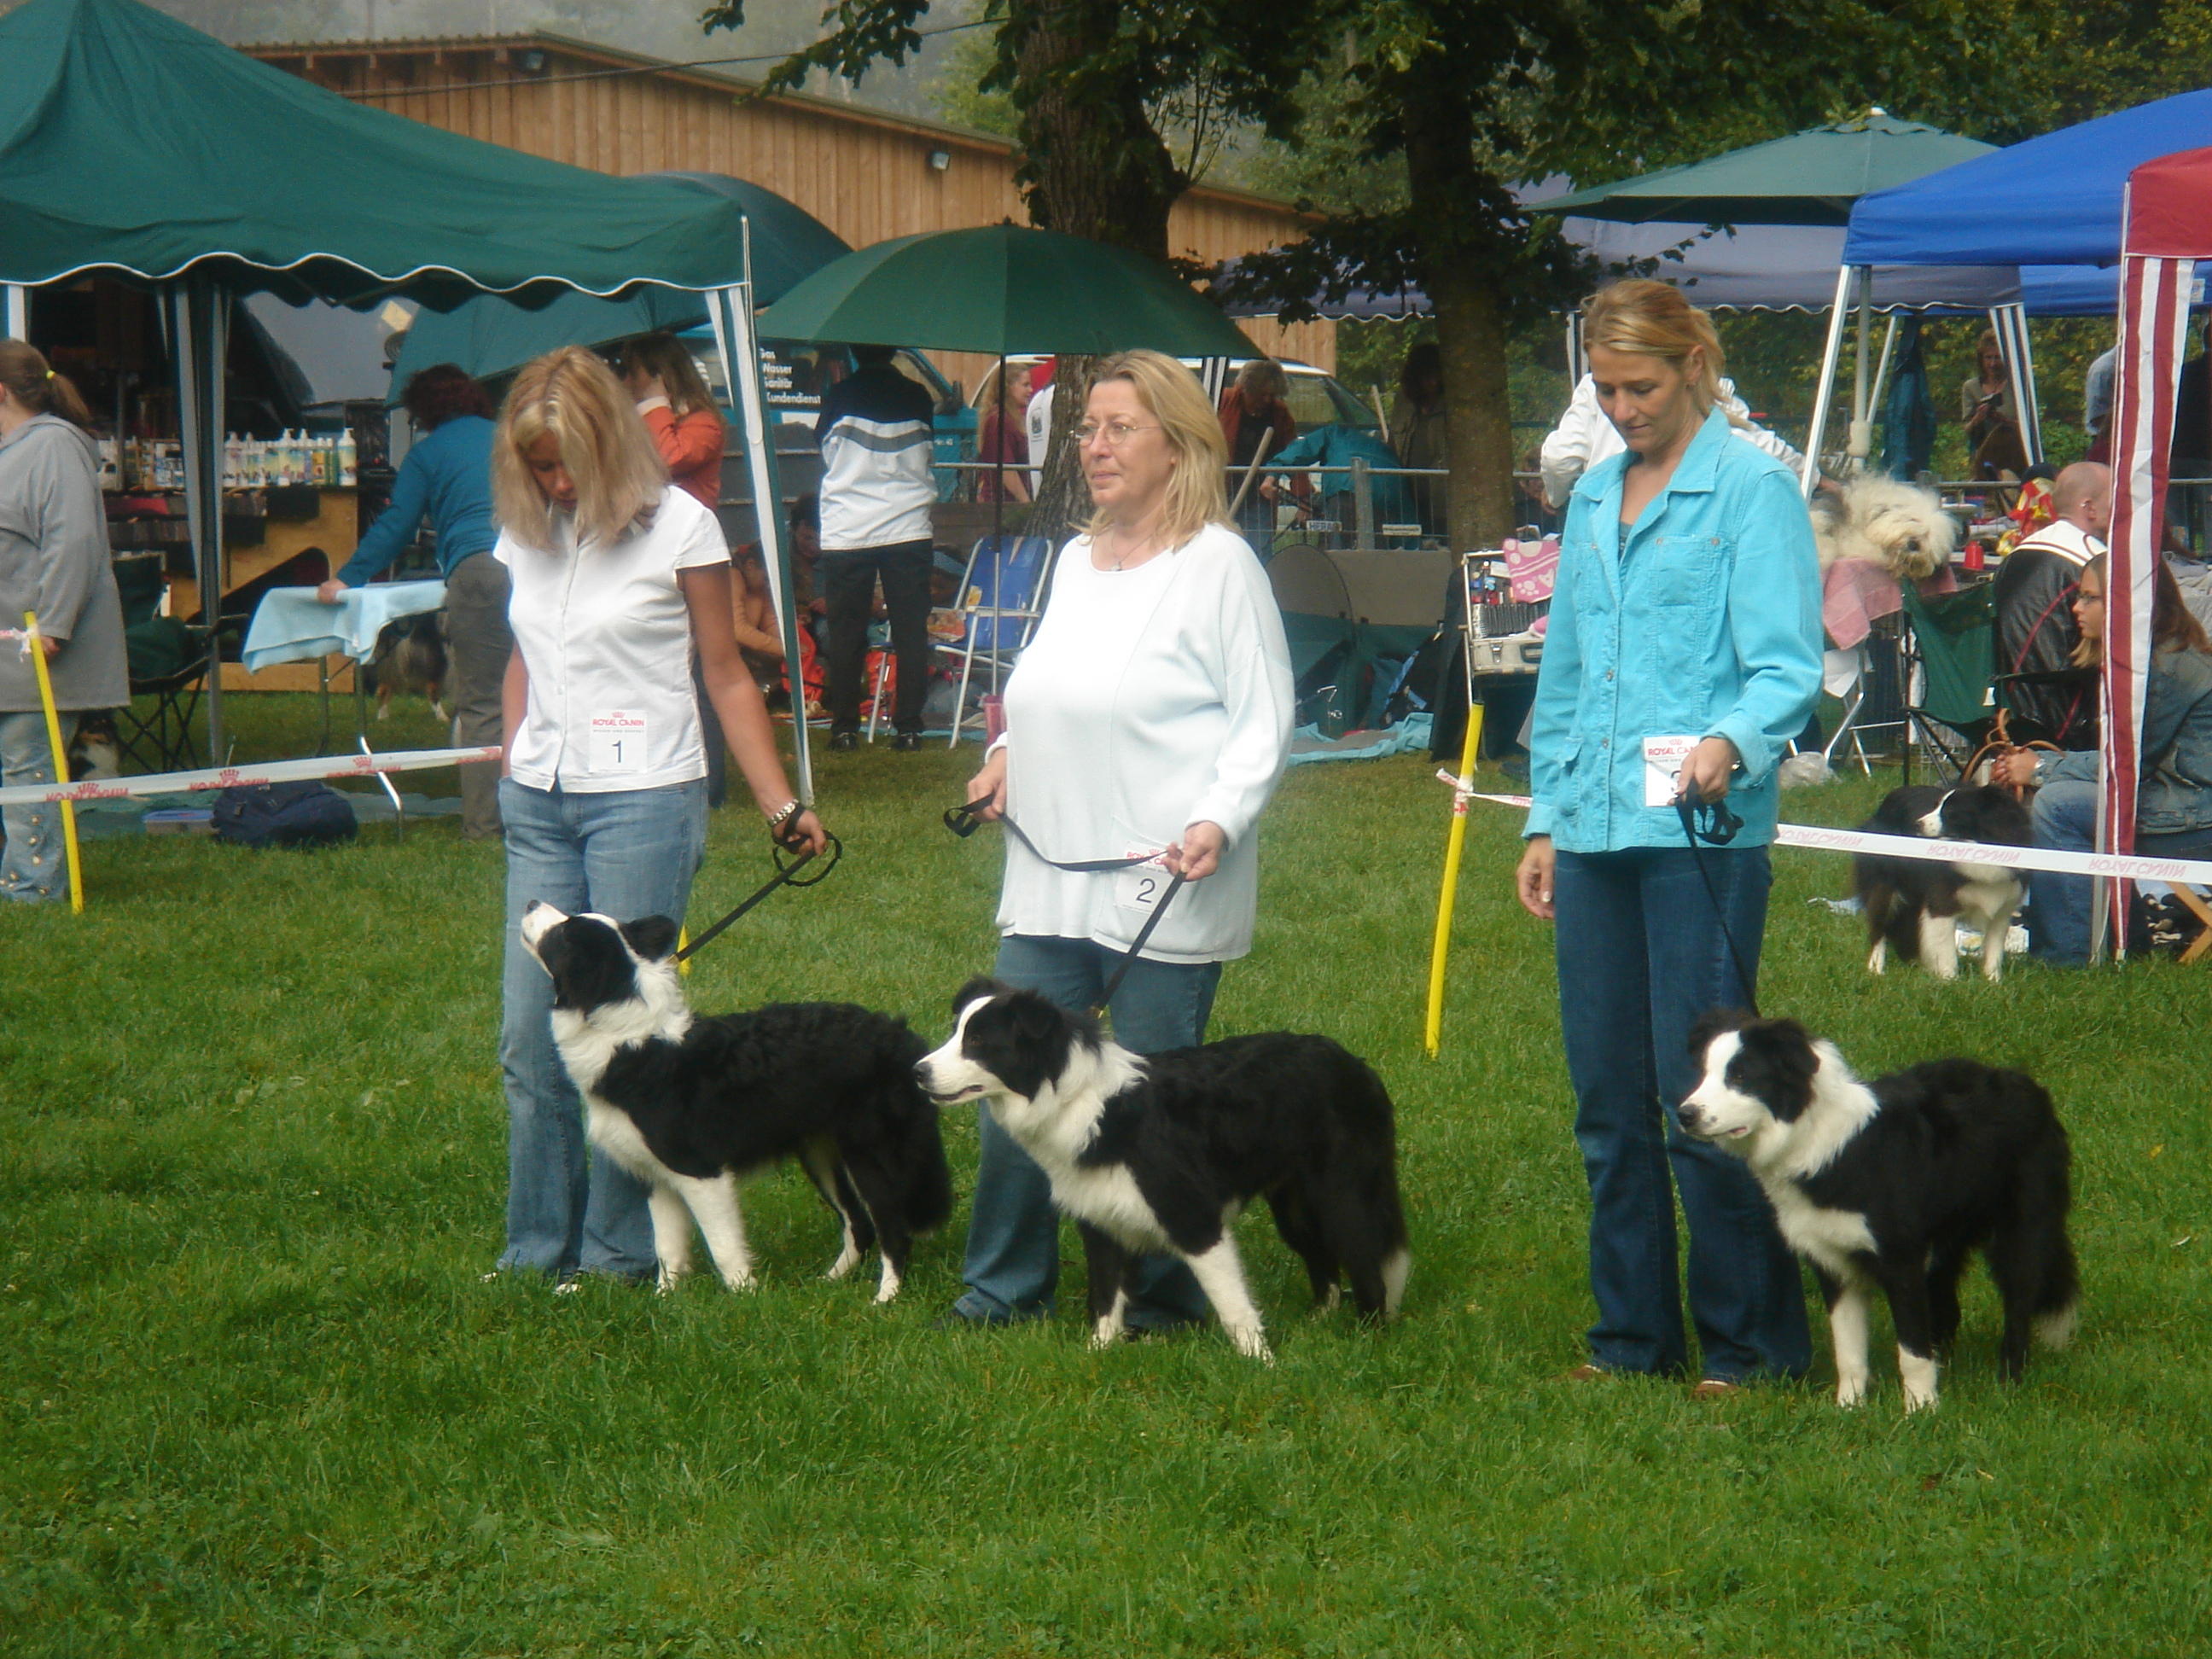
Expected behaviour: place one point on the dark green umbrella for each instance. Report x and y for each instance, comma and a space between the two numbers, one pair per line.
1004, 289
1810, 177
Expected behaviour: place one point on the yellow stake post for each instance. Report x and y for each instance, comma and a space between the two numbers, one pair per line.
61, 760
1432, 1038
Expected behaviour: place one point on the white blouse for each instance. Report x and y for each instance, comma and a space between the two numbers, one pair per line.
1148, 699
607, 636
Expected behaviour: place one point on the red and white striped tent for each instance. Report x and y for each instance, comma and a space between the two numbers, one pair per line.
2167, 226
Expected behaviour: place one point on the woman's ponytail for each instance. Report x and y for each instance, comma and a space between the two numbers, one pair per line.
32, 382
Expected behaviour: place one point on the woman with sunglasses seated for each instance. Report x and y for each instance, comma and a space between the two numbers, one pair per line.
1683, 652
1150, 714
2173, 794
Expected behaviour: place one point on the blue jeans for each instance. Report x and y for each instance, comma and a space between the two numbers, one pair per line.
627, 854
2065, 816
1013, 1232
1641, 956
35, 867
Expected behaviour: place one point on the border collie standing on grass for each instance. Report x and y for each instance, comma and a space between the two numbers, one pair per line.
1891, 1185
689, 1105
1914, 906
1161, 1152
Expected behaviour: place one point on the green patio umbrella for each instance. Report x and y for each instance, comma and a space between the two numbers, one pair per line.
1810, 177
1004, 289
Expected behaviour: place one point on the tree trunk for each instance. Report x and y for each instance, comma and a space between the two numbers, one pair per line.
1063, 498
1439, 133
1091, 163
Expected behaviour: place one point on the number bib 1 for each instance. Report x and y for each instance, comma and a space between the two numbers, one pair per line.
617, 740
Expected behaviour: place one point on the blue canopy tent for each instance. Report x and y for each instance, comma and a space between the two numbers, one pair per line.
2050, 202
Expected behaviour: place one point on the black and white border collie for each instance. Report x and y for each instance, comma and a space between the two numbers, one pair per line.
1913, 906
1892, 1185
1160, 1154
689, 1105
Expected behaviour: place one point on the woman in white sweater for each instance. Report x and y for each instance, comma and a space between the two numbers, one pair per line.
1151, 714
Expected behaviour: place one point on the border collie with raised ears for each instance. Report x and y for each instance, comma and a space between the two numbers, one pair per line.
1160, 1153
1892, 1185
690, 1105
1914, 906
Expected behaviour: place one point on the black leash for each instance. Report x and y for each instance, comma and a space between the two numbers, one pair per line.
964, 821
1723, 825
786, 875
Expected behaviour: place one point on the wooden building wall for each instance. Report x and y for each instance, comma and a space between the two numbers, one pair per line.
865, 174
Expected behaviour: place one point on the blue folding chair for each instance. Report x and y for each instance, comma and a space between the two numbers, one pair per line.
1001, 595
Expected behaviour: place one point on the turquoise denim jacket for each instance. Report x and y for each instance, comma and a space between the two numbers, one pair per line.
1706, 624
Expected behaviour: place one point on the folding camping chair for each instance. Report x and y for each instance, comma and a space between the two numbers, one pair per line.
1951, 662
167, 663
1000, 601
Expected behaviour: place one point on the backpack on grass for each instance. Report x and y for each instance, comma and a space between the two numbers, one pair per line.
283, 815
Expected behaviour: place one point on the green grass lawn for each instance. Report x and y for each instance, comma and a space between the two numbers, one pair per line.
253, 1399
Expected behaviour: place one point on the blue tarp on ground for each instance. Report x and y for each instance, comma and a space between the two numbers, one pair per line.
2049, 201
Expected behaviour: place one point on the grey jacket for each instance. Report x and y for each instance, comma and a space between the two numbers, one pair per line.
54, 560
2174, 792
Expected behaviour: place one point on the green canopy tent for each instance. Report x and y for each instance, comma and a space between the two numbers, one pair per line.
1813, 178
489, 335
136, 148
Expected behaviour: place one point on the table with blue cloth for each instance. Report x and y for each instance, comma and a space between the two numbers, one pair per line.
291, 624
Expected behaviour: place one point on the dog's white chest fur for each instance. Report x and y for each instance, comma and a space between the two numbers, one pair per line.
1831, 1237
1059, 1123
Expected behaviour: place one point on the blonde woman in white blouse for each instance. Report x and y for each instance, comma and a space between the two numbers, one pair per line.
1151, 714
619, 579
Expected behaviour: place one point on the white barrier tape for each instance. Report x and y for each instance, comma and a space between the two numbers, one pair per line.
227, 777
1943, 852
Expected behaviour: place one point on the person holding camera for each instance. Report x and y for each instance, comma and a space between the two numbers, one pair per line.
620, 579
1151, 714
1683, 652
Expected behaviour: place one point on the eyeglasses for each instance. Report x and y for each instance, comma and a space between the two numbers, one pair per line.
1117, 434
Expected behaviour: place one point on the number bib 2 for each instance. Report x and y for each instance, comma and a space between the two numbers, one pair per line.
1141, 886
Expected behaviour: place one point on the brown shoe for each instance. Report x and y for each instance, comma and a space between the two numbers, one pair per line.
1714, 1387
1585, 1373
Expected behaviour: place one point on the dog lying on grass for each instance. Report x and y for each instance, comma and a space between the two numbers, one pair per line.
689, 1105
1160, 1153
1891, 1185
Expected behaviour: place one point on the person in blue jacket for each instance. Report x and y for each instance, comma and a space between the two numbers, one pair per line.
1683, 654
1335, 445
446, 479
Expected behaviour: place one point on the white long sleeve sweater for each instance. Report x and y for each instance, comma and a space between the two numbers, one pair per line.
1148, 699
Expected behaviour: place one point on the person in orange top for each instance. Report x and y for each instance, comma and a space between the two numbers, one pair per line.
679, 412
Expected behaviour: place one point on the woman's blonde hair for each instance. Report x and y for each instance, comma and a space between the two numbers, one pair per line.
664, 357
1652, 319
574, 398
1171, 395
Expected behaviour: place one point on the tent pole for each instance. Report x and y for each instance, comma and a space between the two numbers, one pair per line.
1836, 315
1881, 370
15, 324
731, 311
201, 336
1859, 443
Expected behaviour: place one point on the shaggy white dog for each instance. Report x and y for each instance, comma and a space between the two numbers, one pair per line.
1898, 526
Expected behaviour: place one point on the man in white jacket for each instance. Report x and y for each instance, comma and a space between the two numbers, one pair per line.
1584, 437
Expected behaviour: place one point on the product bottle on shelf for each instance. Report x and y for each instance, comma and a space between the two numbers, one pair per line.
349, 461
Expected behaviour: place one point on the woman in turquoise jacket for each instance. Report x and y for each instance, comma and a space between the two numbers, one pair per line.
1683, 653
